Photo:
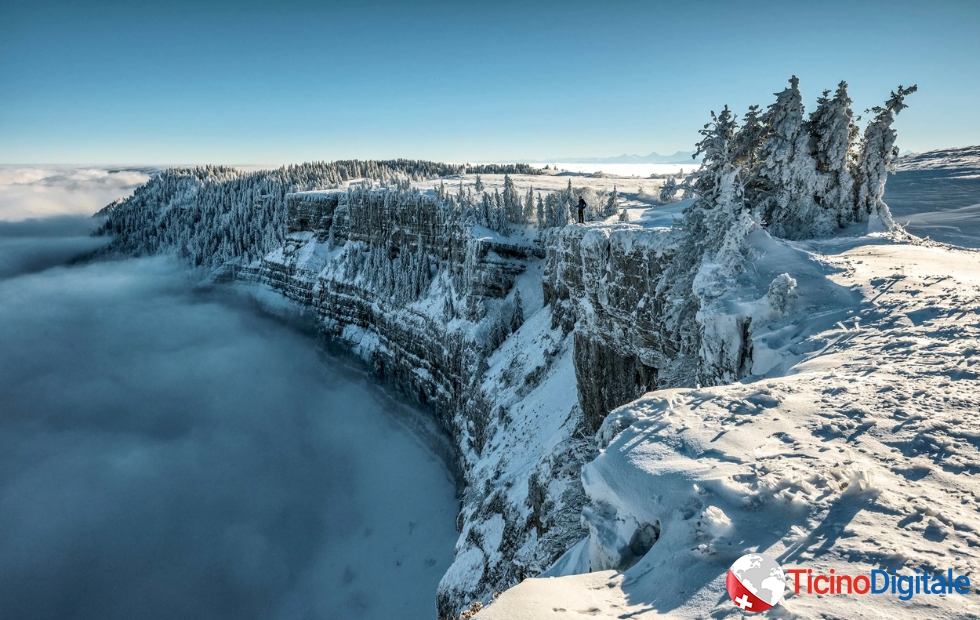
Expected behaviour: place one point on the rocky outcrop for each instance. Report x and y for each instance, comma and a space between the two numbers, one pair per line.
602, 281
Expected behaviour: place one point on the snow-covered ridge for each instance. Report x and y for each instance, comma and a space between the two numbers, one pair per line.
943, 159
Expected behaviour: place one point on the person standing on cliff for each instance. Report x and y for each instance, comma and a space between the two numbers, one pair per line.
581, 210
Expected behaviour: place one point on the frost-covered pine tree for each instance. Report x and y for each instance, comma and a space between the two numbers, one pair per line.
612, 204
714, 227
517, 316
498, 332
667, 190
512, 202
478, 186
748, 141
557, 211
878, 152
832, 134
448, 307
486, 215
529, 214
703, 223
787, 173
539, 212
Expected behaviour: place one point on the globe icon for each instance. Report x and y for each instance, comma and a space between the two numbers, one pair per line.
755, 582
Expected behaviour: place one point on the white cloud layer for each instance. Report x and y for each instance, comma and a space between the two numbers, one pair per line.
170, 453
31, 192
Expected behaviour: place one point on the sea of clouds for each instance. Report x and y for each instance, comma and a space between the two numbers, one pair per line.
34, 192
168, 451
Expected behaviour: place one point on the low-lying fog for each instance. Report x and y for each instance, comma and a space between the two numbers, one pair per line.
167, 452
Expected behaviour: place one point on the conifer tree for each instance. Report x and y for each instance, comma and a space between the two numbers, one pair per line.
478, 186
667, 190
612, 205
832, 133
517, 317
878, 152
448, 308
705, 226
529, 215
748, 141
707, 220
786, 177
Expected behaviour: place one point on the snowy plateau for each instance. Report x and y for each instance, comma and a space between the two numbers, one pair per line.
805, 390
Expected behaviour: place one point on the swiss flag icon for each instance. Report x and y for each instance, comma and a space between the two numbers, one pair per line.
755, 582
742, 596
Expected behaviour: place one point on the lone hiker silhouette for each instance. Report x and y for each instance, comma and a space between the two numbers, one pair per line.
581, 210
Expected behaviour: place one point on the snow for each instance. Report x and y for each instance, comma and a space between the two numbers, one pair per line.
942, 159
854, 446
957, 226
623, 170
937, 195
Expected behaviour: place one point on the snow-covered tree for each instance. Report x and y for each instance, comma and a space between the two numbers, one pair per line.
529, 212
878, 152
786, 180
782, 290
832, 134
612, 203
748, 141
667, 190
710, 246
448, 307
513, 207
556, 210
517, 316
478, 186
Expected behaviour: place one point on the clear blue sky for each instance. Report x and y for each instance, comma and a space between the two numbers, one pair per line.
249, 82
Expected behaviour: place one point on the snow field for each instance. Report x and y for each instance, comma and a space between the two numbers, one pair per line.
864, 455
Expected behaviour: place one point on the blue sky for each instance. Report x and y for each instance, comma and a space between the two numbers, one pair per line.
249, 82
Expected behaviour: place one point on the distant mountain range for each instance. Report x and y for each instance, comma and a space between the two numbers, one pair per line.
680, 157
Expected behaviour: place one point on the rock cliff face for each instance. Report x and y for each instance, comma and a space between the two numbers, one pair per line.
602, 280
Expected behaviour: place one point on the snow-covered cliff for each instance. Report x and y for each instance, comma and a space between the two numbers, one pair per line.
440, 306
500, 378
